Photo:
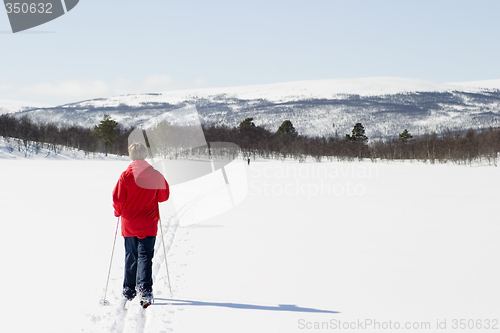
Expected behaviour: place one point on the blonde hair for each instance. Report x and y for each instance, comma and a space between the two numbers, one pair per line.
137, 151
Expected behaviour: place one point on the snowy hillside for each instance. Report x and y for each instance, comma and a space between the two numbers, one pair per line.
485, 84
385, 106
281, 92
290, 258
7, 106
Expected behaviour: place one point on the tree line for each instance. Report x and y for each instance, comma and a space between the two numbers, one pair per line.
28, 137
255, 141
450, 146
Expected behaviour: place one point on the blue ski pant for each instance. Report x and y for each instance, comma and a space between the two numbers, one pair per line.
138, 266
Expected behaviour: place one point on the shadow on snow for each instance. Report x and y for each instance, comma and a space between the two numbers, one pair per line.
280, 307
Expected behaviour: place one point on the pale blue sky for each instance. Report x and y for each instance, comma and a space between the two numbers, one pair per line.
107, 47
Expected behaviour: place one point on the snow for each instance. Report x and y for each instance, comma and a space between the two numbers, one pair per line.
385, 107
277, 92
287, 91
311, 243
484, 84
9, 106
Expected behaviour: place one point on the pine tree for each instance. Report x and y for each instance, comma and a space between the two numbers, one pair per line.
107, 130
405, 136
286, 128
246, 124
358, 133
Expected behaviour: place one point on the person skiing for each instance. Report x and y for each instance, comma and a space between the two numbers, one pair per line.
135, 198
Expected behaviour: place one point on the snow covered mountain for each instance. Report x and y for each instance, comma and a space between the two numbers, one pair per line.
385, 106
8, 106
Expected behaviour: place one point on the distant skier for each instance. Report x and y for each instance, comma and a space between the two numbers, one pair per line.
135, 198
248, 161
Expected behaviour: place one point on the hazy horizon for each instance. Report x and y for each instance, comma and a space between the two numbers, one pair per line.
103, 49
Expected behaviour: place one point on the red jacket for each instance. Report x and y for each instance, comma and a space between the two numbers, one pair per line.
136, 197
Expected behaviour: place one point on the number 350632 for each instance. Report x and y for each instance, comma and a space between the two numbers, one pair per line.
28, 8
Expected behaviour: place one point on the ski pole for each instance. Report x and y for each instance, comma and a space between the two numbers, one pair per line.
165, 254
104, 301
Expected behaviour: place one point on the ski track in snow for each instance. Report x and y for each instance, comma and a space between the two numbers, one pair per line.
134, 319
423, 255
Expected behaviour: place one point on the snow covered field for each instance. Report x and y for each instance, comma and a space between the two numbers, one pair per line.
313, 247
